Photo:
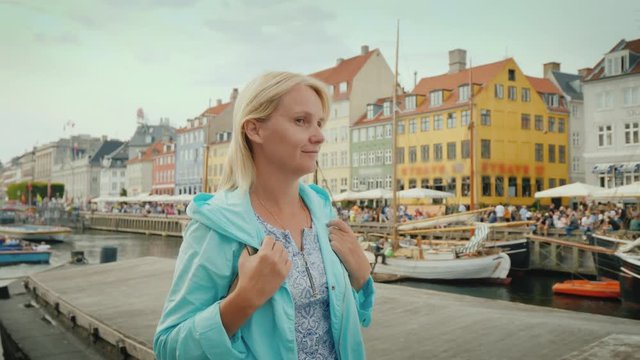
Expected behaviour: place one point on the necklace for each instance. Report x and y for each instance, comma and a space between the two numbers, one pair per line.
302, 207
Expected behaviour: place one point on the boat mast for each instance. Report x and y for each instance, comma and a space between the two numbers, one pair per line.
472, 175
394, 185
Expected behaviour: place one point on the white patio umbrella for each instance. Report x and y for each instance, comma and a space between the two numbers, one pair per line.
373, 194
347, 195
626, 191
577, 189
420, 193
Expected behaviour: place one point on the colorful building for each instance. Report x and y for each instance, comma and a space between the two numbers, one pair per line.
140, 169
220, 125
190, 155
163, 170
519, 126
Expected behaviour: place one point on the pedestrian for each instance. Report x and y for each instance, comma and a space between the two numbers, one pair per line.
307, 291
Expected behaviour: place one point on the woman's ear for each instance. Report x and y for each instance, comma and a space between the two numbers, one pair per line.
251, 128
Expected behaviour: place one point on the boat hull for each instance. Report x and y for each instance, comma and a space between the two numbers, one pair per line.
37, 232
600, 289
630, 279
607, 265
24, 257
494, 266
518, 251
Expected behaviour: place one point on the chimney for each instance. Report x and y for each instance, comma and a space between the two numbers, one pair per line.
584, 72
218, 102
338, 61
549, 67
234, 95
104, 138
457, 60
364, 49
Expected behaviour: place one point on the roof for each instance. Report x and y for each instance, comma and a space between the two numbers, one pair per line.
148, 153
139, 138
543, 85
569, 84
345, 71
215, 110
634, 61
107, 147
379, 118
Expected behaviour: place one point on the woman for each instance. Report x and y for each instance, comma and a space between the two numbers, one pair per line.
307, 291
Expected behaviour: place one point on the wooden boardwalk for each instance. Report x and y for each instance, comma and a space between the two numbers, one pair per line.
123, 301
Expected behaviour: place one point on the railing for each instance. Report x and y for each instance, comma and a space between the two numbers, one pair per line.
165, 225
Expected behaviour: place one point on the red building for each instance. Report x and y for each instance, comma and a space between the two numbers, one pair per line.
164, 169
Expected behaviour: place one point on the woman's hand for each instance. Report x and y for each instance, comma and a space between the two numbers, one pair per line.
259, 277
345, 244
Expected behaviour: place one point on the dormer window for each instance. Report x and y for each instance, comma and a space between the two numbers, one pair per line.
435, 98
616, 63
342, 87
410, 102
386, 108
371, 113
463, 92
552, 100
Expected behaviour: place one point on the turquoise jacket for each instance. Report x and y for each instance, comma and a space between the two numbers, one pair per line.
190, 326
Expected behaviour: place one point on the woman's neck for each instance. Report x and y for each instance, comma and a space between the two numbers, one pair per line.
276, 192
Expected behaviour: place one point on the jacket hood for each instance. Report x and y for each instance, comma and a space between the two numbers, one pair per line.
231, 214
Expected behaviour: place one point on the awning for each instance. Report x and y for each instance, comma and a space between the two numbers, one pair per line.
603, 168
629, 167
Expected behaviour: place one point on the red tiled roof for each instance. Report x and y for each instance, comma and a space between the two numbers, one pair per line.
215, 110
633, 46
148, 153
345, 71
543, 85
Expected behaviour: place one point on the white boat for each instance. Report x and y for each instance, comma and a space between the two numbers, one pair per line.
36, 232
464, 217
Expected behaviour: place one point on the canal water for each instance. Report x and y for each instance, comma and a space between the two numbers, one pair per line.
528, 288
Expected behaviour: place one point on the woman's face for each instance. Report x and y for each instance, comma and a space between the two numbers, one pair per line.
289, 141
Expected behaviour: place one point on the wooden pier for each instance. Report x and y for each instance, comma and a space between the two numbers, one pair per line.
116, 306
163, 225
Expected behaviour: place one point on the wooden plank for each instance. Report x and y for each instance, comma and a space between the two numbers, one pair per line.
592, 248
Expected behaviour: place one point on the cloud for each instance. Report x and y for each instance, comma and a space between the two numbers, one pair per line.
64, 38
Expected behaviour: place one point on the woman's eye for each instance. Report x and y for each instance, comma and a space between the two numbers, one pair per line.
320, 124
299, 121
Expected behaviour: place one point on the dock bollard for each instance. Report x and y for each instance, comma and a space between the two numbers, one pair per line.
108, 254
4, 292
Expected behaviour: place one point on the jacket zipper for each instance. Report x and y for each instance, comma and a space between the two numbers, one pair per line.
306, 267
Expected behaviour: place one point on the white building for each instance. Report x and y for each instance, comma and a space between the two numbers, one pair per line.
113, 175
612, 117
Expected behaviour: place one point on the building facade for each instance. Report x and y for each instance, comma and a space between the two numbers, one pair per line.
164, 170
113, 175
190, 150
140, 170
612, 117
219, 127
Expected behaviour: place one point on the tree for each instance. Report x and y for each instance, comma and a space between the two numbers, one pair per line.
123, 192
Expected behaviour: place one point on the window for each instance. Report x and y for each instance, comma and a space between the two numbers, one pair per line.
485, 149
387, 131
539, 184
400, 127
333, 159
413, 156
552, 153
485, 117
525, 121
616, 63
486, 186
387, 156
371, 111
526, 187
513, 186
379, 132
463, 92
435, 98
410, 102
562, 182
465, 186
386, 108
400, 155
465, 149
539, 123
526, 94
424, 124
552, 124
412, 126
552, 100
387, 182
605, 135
372, 157
379, 157
451, 120
354, 159
561, 125
552, 183
512, 75
631, 133
343, 181
344, 134
344, 159
424, 153
499, 91
412, 183
451, 186
575, 164
562, 154
371, 133
424, 183
605, 100
539, 153
343, 87
465, 117
499, 186
513, 93
437, 122
363, 159
631, 96
437, 152
451, 150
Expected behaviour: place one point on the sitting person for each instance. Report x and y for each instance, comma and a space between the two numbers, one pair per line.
378, 251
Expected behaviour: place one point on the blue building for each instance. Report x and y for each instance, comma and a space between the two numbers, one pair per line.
190, 151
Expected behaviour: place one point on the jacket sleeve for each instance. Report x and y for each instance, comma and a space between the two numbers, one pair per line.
364, 301
190, 326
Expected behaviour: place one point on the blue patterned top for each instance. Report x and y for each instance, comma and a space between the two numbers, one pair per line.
308, 285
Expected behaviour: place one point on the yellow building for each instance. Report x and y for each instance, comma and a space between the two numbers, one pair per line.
217, 155
518, 124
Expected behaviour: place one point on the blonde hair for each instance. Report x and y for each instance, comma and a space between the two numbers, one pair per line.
258, 100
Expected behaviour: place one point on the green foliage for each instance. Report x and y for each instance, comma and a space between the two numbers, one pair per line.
123, 192
15, 191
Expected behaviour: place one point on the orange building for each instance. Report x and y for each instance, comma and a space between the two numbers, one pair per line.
164, 168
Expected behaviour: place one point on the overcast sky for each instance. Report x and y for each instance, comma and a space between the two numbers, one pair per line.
96, 62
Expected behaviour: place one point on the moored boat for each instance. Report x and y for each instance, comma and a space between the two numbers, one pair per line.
609, 289
36, 233
13, 252
629, 278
